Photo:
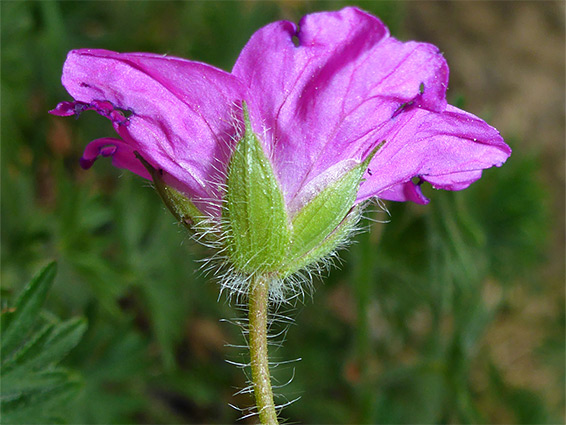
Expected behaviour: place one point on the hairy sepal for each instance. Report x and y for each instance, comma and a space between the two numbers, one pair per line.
337, 239
182, 208
257, 234
327, 220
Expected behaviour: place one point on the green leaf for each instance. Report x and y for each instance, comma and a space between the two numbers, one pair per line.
40, 405
257, 229
64, 337
32, 386
20, 383
33, 346
51, 349
26, 310
116, 371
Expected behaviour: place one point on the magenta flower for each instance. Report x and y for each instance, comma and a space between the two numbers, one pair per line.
270, 162
320, 99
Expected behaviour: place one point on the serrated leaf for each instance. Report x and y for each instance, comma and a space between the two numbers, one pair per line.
61, 340
38, 406
31, 385
30, 349
256, 220
27, 309
21, 383
113, 375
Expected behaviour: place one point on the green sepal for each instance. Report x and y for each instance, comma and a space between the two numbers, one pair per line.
180, 206
321, 225
331, 243
254, 216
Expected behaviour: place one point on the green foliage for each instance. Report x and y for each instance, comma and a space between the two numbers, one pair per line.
34, 388
408, 330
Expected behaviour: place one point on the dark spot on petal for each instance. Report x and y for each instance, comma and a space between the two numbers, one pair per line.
296, 40
79, 108
125, 112
107, 109
417, 180
402, 107
88, 86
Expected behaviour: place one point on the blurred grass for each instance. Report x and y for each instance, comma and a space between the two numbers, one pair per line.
423, 322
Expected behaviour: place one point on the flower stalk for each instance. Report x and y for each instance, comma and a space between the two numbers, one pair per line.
261, 379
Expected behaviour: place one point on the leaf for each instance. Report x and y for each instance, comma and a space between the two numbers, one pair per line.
115, 370
21, 384
32, 346
51, 349
39, 406
32, 386
26, 310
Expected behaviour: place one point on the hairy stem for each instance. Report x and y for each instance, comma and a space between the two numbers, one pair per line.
261, 380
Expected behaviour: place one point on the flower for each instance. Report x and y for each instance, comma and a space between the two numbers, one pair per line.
314, 102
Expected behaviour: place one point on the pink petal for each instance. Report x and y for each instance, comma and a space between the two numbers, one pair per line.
328, 99
123, 155
447, 149
179, 115
402, 192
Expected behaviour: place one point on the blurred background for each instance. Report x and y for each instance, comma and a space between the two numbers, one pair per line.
448, 313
